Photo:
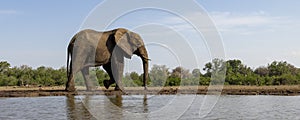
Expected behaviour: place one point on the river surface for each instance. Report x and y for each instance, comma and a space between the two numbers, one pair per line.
130, 107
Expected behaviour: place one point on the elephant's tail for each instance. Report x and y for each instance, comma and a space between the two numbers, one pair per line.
68, 69
69, 54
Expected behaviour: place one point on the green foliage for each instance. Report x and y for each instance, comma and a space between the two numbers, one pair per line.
133, 79
158, 75
280, 68
216, 71
101, 76
25, 75
4, 66
173, 81
79, 80
204, 81
275, 73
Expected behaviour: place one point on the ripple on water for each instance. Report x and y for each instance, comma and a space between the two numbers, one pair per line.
137, 106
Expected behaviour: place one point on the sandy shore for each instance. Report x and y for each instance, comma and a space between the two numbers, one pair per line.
226, 90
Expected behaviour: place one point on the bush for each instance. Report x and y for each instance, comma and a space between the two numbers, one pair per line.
275, 73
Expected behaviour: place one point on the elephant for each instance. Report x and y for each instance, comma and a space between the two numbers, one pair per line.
91, 48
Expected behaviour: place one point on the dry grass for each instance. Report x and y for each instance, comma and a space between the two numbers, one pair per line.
226, 87
226, 90
280, 87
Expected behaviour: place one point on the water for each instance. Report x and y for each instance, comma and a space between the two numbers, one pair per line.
149, 107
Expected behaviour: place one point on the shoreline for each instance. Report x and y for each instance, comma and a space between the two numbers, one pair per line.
283, 90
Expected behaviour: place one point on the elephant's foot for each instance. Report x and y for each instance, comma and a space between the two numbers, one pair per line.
120, 90
145, 88
106, 83
70, 89
117, 88
89, 88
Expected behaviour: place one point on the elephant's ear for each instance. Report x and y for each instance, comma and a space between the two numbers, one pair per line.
122, 40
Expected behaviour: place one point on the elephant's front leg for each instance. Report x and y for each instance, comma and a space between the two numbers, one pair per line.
107, 68
117, 70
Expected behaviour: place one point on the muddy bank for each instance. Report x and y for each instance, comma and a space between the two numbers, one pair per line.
227, 90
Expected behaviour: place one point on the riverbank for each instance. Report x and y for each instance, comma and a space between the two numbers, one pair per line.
227, 90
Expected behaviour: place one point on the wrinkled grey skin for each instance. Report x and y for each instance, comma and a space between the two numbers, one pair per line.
90, 48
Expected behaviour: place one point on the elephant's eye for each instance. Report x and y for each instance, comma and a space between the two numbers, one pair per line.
136, 42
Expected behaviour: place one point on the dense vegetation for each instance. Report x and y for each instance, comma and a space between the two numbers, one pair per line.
275, 73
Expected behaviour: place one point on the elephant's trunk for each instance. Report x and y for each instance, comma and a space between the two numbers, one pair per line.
142, 52
145, 66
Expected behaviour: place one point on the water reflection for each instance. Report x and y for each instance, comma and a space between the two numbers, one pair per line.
145, 103
117, 100
107, 107
76, 110
136, 107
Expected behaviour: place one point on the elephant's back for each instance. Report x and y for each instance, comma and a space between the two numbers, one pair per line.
87, 37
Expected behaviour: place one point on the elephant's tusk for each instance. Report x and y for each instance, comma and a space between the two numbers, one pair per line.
146, 58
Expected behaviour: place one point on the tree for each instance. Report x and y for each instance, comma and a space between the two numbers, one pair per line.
262, 71
4, 66
158, 75
173, 81
204, 81
280, 68
215, 70
59, 76
26, 74
16, 73
180, 72
136, 78
208, 69
275, 73
239, 74
196, 73
234, 65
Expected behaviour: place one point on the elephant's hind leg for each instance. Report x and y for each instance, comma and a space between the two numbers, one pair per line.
86, 76
75, 66
70, 86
